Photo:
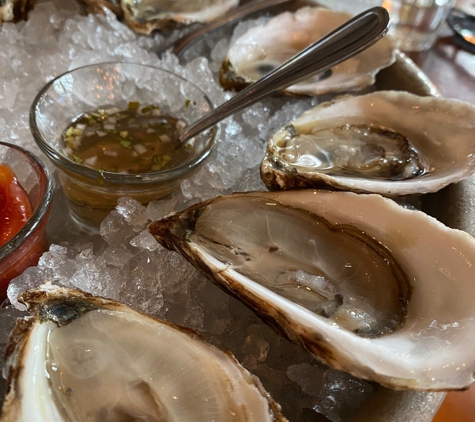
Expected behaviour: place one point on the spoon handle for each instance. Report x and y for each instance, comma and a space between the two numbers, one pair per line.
351, 38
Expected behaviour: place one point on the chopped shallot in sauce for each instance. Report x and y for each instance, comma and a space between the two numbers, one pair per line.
136, 140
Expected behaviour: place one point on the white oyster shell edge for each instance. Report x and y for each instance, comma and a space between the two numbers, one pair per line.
442, 130
173, 14
288, 33
434, 349
172, 361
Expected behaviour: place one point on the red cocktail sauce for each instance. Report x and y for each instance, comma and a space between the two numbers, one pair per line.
15, 206
15, 211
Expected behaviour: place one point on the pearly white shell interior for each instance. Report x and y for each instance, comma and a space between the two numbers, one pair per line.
434, 348
442, 130
114, 365
288, 33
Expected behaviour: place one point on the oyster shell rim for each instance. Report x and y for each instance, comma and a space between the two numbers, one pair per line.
36, 298
279, 175
230, 79
168, 22
176, 239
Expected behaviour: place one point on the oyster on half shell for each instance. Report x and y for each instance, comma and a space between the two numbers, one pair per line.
84, 358
388, 142
143, 16
366, 286
264, 48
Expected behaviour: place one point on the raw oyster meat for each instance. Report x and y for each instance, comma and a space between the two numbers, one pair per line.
15, 10
84, 358
366, 286
143, 16
388, 142
264, 48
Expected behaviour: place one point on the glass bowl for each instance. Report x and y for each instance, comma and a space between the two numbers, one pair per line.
25, 248
92, 193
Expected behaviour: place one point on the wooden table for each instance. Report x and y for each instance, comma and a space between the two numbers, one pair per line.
452, 70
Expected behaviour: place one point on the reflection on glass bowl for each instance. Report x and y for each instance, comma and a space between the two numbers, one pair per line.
98, 90
24, 248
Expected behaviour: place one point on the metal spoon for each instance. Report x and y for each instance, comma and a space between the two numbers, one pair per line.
351, 38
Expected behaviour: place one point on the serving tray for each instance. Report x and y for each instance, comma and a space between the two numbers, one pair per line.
398, 406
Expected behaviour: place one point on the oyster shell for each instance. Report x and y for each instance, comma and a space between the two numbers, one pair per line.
96, 6
15, 10
85, 358
388, 142
143, 16
366, 286
264, 48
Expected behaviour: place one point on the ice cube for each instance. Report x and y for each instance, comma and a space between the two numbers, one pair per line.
115, 229
257, 346
308, 377
9, 88
158, 209
133, 211
32, 277
341, 395
145, 241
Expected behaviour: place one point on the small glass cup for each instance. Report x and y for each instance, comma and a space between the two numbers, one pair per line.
416, 24
25, 248
91, 193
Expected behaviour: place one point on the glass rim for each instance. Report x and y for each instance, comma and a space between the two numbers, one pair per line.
42, 208
120, 178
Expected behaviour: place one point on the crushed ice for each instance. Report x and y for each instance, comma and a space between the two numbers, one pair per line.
124, 262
